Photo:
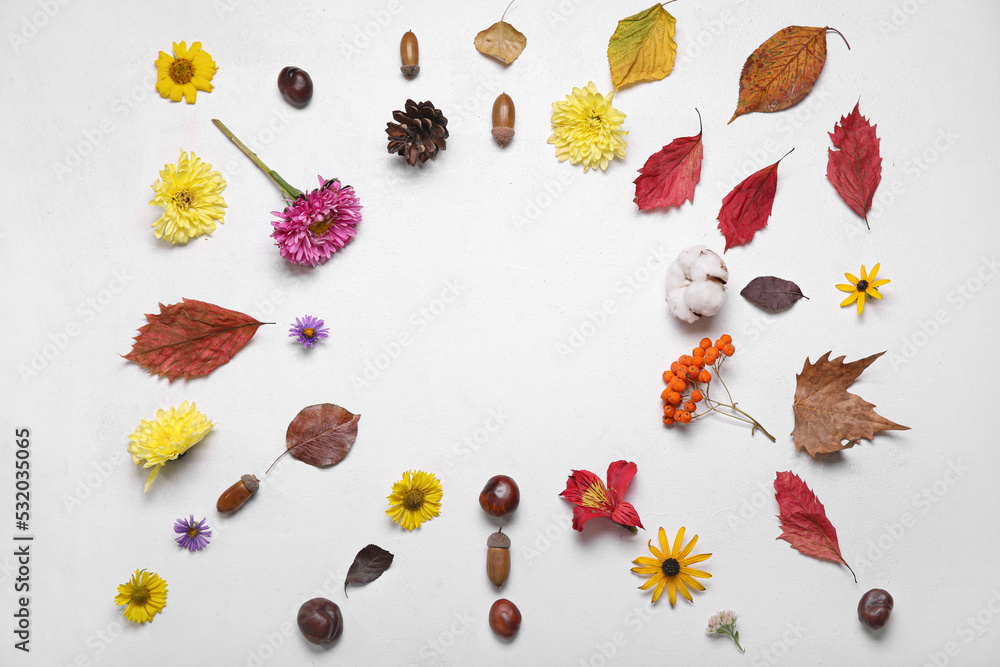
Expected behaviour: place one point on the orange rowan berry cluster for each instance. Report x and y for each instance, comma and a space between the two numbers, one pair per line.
689, 373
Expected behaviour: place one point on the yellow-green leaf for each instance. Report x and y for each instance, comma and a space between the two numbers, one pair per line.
643, 47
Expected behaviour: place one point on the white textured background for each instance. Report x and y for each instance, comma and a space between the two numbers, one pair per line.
535, 248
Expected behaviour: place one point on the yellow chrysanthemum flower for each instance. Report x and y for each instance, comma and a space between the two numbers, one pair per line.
173, 433
669, 568
144, 596
587, 129
190, 193
414, 499
859, 288
184, 74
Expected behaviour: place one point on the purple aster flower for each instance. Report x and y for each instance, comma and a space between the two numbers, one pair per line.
194, 535
308, 330
317, 224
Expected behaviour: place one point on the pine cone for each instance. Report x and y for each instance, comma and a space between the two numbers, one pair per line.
419, 132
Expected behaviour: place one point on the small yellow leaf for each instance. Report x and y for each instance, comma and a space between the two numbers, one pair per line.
643, 47
501, 41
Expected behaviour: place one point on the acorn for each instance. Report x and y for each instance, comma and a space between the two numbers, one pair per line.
409, 52
498, 558
235, 496
503, 119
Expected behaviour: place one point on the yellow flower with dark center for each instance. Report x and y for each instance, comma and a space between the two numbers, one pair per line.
172, 434
867, 285
669, 568
143, 596
184, 74
414, 499
587, 129
190, 193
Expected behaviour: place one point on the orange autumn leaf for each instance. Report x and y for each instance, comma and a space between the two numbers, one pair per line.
782, 71
826, 414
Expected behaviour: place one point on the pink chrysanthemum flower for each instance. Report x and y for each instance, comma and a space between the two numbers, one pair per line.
317, 224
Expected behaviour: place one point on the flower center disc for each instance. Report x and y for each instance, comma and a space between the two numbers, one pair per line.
183, 199
321, 227
193, 532
309, 333
413, 500
140, 596
181, 70
671, 567
862, 285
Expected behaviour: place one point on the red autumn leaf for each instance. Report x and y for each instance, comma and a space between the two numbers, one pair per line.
670, 175
321, 435
747, 208
803, 520
190, 339
856, 169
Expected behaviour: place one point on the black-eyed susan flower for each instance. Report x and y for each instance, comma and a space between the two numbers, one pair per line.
587, 129
190, 193
414, 499
171, 434
867, 285
670, 568
184, 73
143, 596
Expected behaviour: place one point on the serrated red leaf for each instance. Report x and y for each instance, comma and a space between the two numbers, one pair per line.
670, 175
747, 208
190, 339
321, 435
803, 520
856, 168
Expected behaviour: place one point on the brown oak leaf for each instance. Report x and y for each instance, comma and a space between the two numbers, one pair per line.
826, 414
191, 339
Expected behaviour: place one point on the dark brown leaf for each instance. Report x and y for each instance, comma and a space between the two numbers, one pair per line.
772, 293
321, 435
368, 566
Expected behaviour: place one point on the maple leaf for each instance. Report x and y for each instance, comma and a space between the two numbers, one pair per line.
670, 175
747, 208
782, 71
826, 413
856, 168
642, 47
190, 339
501, 41
803, 520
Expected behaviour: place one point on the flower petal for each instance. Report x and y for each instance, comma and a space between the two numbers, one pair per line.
620, 473
659, 589
879, 283
847, 288
864, 275
690, 545
874, 272
873, 293
678, 542
861, 302
582, 515
695, 559
696, 573
646, 560
626, 515
671, 591
851, 278
664, 545
849, 300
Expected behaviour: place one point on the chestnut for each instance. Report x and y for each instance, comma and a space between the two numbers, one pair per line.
874, 608
296, 86
505, 618
320, 621
500, 496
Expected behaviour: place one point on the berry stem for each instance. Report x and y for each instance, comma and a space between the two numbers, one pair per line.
287, 190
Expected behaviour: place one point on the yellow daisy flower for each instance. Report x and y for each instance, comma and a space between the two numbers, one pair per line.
587, 129
859, 288
184, 74
414, 499
173, 433
144, 596
669, 568
190, 193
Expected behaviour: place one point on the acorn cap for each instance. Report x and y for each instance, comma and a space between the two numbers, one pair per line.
498, 540
251, 482
502, 135
410, 71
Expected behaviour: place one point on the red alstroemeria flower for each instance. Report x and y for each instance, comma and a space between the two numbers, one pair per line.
592, 499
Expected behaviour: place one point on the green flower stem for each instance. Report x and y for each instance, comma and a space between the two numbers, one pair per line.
736, 638
287, 190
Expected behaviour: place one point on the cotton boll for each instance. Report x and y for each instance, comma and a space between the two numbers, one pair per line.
676, 277
709, 266
677, 307
689, 256
704, 298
